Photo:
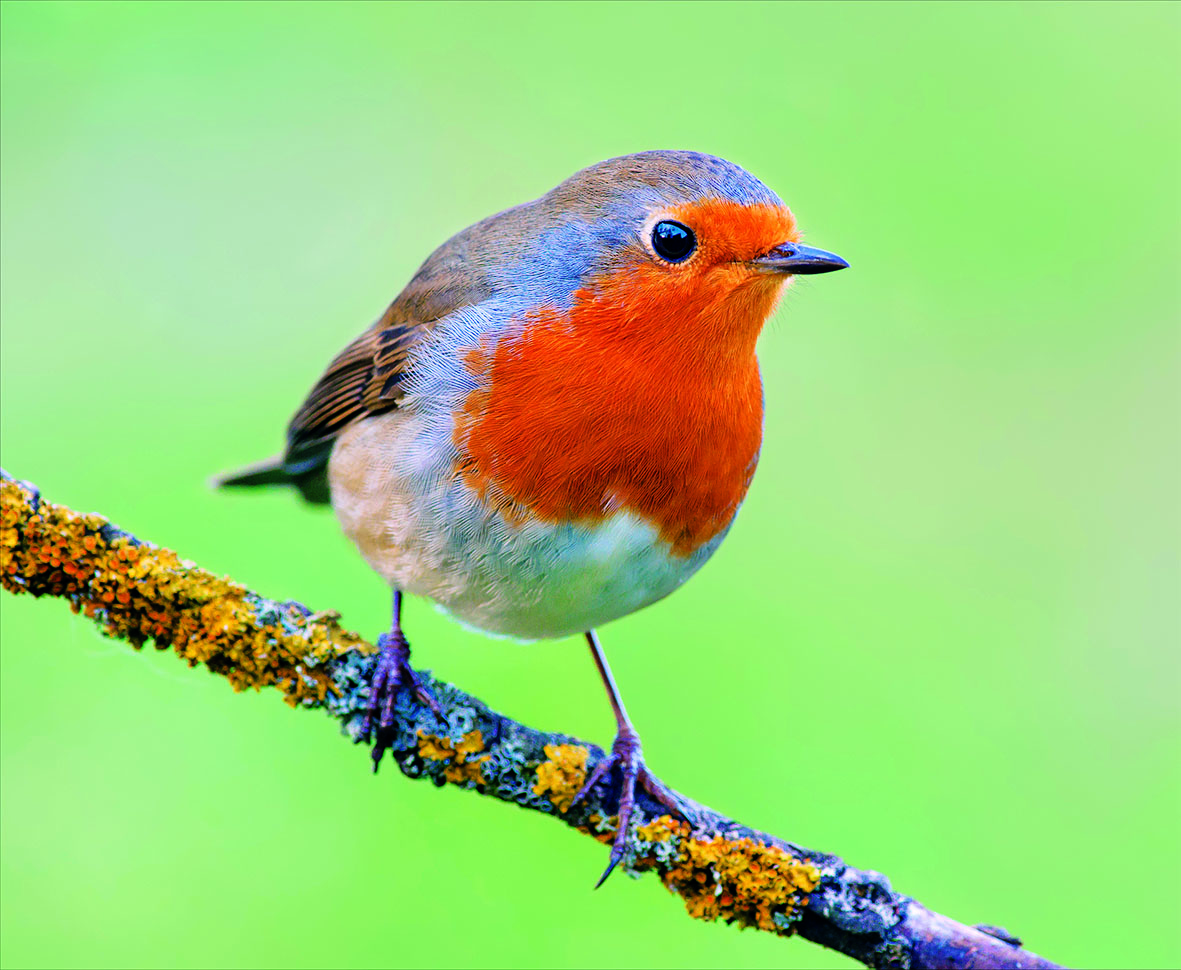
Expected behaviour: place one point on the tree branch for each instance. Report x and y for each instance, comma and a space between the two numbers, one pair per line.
138, 592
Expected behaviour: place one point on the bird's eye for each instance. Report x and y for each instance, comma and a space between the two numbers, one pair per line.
673, 241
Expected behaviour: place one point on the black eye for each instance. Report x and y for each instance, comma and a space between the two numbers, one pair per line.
673, 241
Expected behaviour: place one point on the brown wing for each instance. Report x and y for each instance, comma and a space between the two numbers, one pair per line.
364, 379
367, 376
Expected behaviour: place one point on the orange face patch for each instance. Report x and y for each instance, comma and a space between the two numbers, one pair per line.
729, 232
644, 397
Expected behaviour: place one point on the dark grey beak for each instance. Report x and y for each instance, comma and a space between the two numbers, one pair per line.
798, 259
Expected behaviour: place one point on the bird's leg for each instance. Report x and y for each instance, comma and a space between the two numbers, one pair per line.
392, 674
626, 754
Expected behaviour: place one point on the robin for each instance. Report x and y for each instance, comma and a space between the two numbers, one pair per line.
556, 421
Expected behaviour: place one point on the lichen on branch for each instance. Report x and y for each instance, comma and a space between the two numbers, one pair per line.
138, 592
722, 871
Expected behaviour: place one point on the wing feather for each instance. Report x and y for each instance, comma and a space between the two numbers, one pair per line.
364, 379
368, 377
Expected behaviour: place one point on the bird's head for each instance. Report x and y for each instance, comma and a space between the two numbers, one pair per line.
663, 245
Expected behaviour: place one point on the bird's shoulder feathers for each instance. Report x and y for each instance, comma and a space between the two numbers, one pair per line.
369, 376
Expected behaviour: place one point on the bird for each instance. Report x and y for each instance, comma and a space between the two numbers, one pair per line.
556, 421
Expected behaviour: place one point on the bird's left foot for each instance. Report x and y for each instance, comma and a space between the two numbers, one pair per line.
627, 756
392, 675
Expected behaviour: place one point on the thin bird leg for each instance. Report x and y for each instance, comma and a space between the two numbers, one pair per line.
626, 754
392, 674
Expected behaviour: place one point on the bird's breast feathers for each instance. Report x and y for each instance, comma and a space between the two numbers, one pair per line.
567, 424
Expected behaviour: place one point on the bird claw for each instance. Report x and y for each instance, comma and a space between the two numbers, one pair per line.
392, 675
626, 754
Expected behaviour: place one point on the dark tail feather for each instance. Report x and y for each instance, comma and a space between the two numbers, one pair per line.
268, 472
312, 482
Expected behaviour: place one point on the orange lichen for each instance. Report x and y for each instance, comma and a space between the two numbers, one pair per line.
461, 767
736, 880
561, 776
659, 829
140, 592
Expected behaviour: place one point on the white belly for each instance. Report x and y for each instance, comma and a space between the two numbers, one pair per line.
419, 526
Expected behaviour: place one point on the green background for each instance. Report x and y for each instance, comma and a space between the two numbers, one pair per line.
942, 638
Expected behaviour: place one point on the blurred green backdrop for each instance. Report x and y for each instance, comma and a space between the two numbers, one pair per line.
942, 638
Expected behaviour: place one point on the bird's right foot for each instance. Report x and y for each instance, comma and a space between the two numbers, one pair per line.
392, 674
628, 758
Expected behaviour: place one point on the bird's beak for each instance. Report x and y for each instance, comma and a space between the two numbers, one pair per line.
798, 259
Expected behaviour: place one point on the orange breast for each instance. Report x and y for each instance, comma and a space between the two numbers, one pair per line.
629, 401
